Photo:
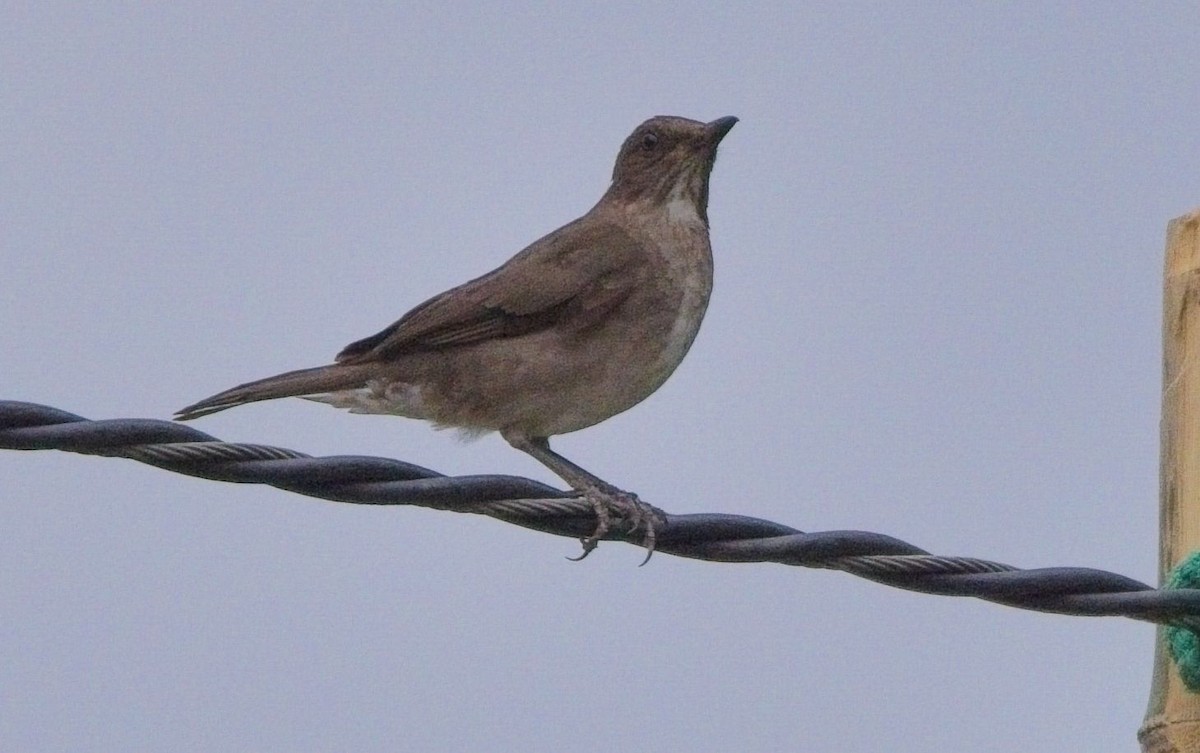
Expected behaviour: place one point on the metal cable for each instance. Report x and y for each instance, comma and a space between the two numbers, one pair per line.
716, 537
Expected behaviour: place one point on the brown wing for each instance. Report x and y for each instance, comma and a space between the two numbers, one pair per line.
580, 270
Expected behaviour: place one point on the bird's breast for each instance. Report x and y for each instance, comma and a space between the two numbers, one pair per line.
683, 272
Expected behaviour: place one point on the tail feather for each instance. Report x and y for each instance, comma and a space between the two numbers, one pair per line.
292, 384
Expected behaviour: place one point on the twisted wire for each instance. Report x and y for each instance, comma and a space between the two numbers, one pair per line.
708, 536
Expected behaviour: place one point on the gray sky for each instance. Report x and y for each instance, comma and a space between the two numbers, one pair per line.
938, 233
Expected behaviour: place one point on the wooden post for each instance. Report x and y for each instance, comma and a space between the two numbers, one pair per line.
1172, 723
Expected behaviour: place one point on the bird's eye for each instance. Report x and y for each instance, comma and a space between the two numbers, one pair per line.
649, 141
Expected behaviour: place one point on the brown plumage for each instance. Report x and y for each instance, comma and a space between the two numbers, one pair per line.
579, 326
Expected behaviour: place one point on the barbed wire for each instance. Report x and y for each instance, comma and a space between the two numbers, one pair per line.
708, 536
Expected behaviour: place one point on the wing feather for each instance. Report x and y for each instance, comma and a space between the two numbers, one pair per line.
580, 270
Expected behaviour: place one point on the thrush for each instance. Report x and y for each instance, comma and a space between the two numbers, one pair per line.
581, 325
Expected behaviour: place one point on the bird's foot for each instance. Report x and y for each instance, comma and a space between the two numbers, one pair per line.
612, 504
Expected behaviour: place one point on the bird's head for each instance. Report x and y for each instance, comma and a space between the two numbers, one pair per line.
668, 159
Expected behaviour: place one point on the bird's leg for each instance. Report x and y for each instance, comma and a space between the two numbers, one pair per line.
603, 496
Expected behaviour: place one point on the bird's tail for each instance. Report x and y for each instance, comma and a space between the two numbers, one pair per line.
292, 384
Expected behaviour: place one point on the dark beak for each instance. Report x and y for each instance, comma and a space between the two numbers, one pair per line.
718, 128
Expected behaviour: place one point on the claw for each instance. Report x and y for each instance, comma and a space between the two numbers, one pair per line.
648, 541
589, 546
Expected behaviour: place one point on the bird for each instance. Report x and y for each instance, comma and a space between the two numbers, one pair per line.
579, 326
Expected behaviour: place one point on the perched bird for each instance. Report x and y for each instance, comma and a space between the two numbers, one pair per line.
579, 326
